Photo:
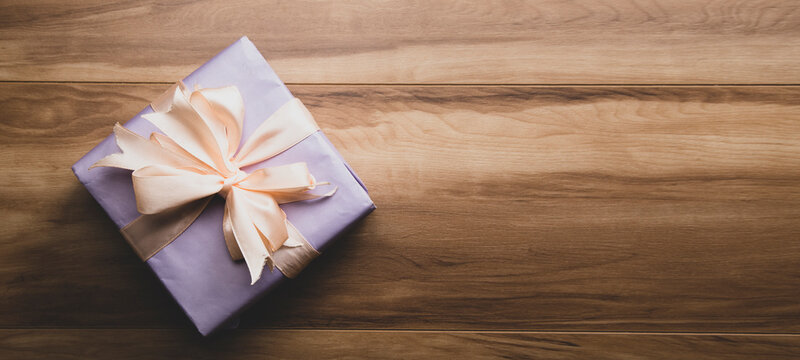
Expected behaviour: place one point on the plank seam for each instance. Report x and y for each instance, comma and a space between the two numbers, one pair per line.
435, 331
414, 84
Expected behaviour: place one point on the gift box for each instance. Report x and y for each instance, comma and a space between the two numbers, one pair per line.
197, 267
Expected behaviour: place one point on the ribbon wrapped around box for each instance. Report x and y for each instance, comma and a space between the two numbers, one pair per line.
225, 167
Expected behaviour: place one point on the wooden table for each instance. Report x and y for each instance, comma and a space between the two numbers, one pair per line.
602, 179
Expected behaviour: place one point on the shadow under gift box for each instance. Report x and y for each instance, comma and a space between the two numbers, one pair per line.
196, 267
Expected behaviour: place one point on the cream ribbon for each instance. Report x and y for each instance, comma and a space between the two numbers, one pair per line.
176, 173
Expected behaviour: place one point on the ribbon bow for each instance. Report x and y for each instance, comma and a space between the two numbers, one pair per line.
175, 174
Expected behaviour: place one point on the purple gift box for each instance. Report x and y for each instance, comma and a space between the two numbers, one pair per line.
196, 267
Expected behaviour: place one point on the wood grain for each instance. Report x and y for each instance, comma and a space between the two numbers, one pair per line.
483, 42
258, 344
505, 208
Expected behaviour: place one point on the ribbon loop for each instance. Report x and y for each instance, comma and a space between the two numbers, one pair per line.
176, 173
159, 188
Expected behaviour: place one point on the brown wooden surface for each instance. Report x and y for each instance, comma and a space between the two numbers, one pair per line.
501, 41
543, 220
342, 344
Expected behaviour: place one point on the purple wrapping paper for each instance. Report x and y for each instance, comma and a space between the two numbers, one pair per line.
196, 268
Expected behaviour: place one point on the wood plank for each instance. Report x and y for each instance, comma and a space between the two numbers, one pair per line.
310, 344
483, 42
539, 208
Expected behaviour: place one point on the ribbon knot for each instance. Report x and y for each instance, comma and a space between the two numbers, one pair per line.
230, 181
197, 155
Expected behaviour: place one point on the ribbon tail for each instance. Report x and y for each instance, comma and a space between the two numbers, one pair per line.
253, 250
148, 234
292, 260
261, 240
230, 238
